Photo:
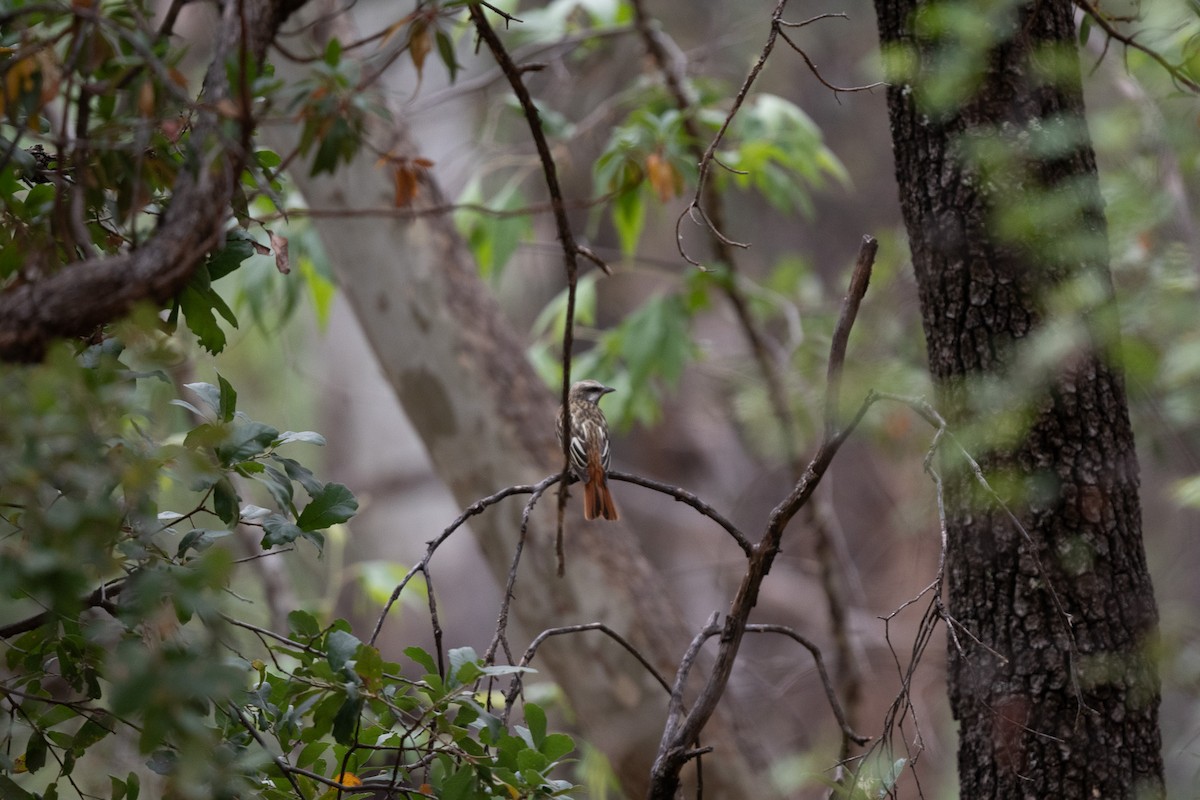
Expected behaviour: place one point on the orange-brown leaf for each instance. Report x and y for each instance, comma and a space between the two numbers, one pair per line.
283, 262
406, 185
21, 76
663, 178
349, 779
145, 101
419, 43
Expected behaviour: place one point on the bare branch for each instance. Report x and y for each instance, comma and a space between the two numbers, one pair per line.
101, 597
690, 499
859, 280
530, 651
475, 508
680, 731
817, 73
830, 694
1177, 74
565, 236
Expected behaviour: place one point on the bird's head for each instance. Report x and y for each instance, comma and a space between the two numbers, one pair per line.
590, 391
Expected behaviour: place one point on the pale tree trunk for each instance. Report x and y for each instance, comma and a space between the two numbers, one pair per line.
487, 421
1051, 673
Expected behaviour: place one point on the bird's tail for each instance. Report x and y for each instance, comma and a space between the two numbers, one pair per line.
597, 500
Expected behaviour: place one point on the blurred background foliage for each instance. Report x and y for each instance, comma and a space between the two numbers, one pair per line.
130, 468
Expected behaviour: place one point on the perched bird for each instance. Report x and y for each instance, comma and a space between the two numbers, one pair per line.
589, 447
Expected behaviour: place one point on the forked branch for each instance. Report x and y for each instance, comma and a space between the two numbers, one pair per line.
682, 729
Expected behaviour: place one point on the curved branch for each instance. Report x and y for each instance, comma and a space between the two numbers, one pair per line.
689, 499
475, 508
830, 695
1176, 73
588, 626
89, 293
681, 730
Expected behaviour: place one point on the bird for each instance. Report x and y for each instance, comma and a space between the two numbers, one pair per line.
588, 448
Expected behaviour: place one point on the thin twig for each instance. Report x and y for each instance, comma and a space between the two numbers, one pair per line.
530, 651
565, 236
1176, 73
279, 760
682, 729
500, 636
859, 280
690, 499
830, 694
472, 510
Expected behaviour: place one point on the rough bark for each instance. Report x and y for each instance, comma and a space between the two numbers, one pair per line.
86, 294
1054, 689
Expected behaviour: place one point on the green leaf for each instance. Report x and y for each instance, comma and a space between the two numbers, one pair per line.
198, 301
446, 52
368, 663
345, 722
535, 718
460, 785
35, 752
225, 501
460, 657
311, 752
245, 440
238, 247
556, 746
332, 505
279, 530
657, 339
309, 437
199, 539
530, 759
333, 52
422, 659
227, 402
209, 394
320, 289
629, 218
9, 790
493, 238
467, 673
301, 474
302, 623
340, 647
92, 731
279, 486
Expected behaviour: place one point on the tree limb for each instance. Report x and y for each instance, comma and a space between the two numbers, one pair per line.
89, 293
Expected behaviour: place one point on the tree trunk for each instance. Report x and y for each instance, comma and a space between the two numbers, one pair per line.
1054, 687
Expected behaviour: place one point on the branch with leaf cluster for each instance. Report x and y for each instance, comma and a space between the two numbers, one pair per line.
75, 300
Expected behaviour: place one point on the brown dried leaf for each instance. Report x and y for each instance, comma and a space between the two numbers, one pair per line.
283, 262
145, 101
665, 181
228, 109
419, 43
406, 184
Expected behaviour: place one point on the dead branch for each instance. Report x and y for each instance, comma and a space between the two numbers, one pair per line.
683, 729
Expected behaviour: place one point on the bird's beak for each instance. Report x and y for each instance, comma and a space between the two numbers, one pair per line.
607, 389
